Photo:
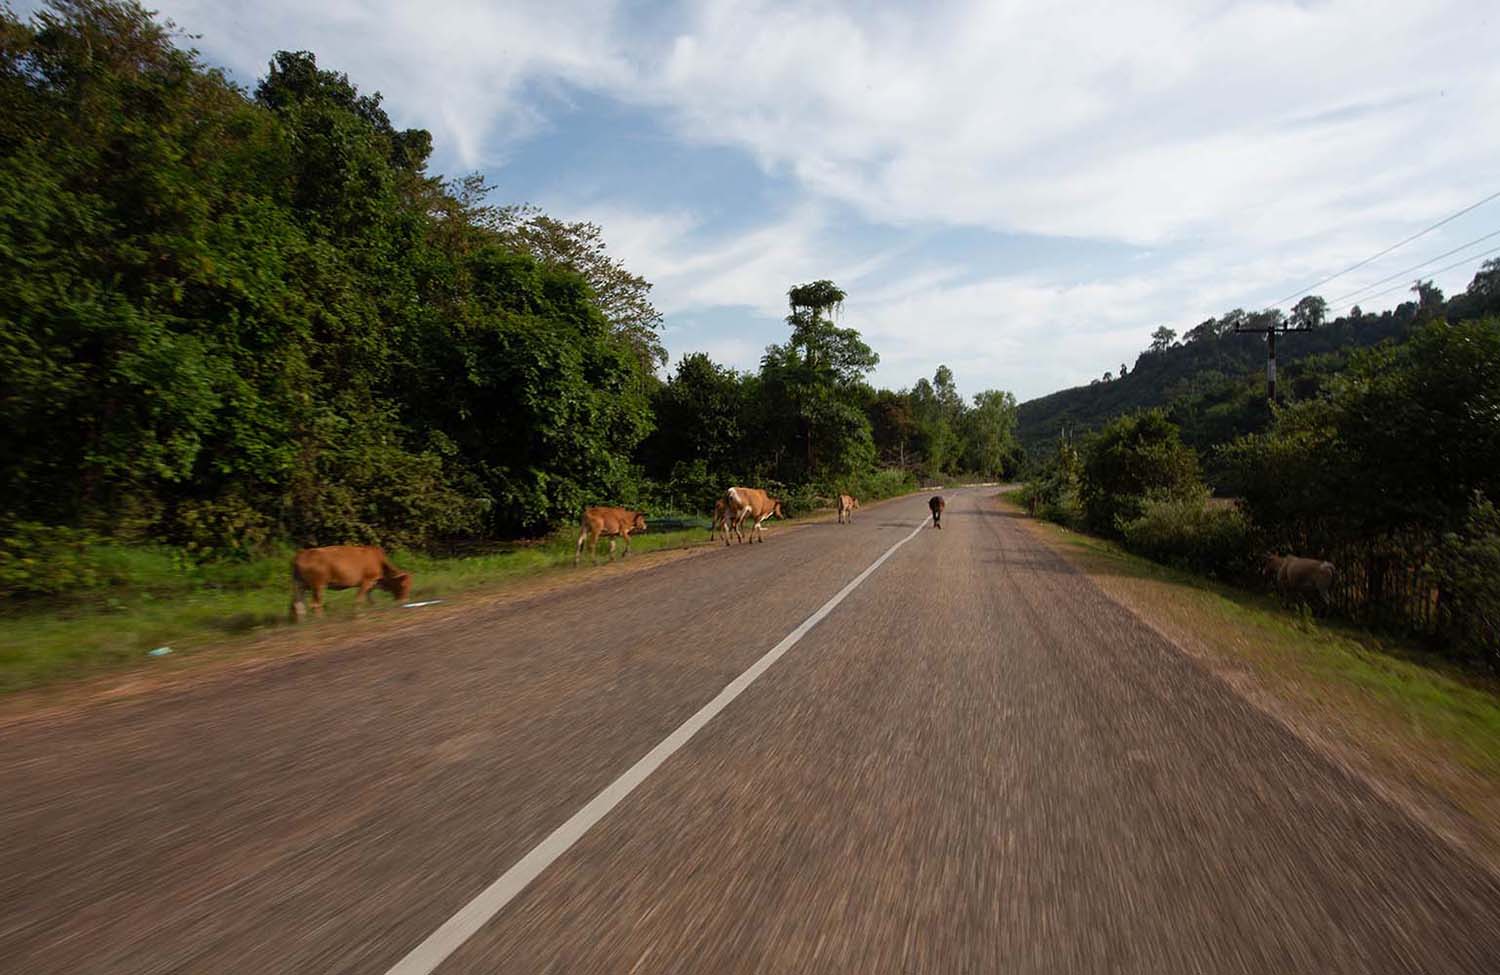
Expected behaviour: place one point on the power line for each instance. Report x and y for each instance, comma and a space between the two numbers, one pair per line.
1440, 270
1415, 267
1374, 257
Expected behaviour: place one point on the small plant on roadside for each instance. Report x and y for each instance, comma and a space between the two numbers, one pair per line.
1187, 533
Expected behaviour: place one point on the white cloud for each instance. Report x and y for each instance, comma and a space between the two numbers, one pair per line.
467, 70
1270, 140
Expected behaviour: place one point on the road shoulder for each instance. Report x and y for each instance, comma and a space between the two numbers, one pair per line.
1424, 739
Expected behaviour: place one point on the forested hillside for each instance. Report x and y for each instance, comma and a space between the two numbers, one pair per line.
1212, 381
232, 319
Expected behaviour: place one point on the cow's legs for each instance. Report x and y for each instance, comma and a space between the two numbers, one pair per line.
611, 548
578, 552
317, 600
594, 549
299, 596
626, 536
363, 596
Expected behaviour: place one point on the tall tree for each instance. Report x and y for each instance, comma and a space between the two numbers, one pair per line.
623, 296
1309, 312
1162, 339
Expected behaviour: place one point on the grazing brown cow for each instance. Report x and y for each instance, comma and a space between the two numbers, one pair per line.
937, 504
741, 503
1300, 577
361, 567
847, 504
609, 523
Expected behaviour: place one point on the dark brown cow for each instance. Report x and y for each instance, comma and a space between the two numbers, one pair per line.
741, 503
609, 523
719, 509
937, 504
847, 504
361, 567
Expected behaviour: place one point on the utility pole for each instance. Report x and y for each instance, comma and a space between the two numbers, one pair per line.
1270, 331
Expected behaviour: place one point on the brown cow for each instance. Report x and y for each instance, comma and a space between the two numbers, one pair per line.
719, 509
609, 523
937, 504
1300, 577
847, 504
741, 503
361, 567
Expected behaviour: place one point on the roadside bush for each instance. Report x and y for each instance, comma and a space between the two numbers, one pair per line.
878, 485
1467, 568
1129, 460
45, 560
1186, 533
1052, 491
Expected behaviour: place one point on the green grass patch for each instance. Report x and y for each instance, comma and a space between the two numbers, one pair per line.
153, 596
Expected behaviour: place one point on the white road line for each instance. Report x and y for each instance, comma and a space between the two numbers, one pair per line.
427, 956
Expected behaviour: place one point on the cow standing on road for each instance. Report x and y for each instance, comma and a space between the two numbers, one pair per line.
361, 567
847, 504
719, 510
937, 504
741, 503
610, 523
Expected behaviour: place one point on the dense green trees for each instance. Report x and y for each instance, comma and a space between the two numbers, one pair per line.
226, 318
229, 318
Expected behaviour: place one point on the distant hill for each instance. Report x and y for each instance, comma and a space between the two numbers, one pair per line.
1212, 363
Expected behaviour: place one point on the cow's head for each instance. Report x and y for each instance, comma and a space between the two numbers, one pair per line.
853, 501
639, 525
398, 585
1270, 564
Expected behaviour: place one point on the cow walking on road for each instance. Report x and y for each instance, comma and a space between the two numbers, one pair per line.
361, 567
847, 504
609, 523
753, 503
937, 504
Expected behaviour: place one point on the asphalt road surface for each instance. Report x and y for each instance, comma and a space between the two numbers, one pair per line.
974, 762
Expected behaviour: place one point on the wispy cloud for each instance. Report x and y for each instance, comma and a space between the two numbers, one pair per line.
1229, 151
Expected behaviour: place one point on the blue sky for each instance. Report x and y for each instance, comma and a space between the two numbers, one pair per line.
1022, 191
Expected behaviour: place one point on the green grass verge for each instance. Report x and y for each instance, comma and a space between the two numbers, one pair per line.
1398, 692
157, 598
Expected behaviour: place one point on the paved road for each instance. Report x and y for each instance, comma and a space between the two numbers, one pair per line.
975, 763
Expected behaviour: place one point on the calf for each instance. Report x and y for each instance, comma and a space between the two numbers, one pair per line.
361, 567
713, 527
741, 503
1300, 577
847, 504
937, 504
609, 523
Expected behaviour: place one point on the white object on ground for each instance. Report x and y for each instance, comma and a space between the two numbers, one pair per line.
430, 602
159, 652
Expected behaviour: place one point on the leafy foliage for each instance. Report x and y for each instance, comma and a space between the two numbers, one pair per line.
1129, 461
1189, 533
